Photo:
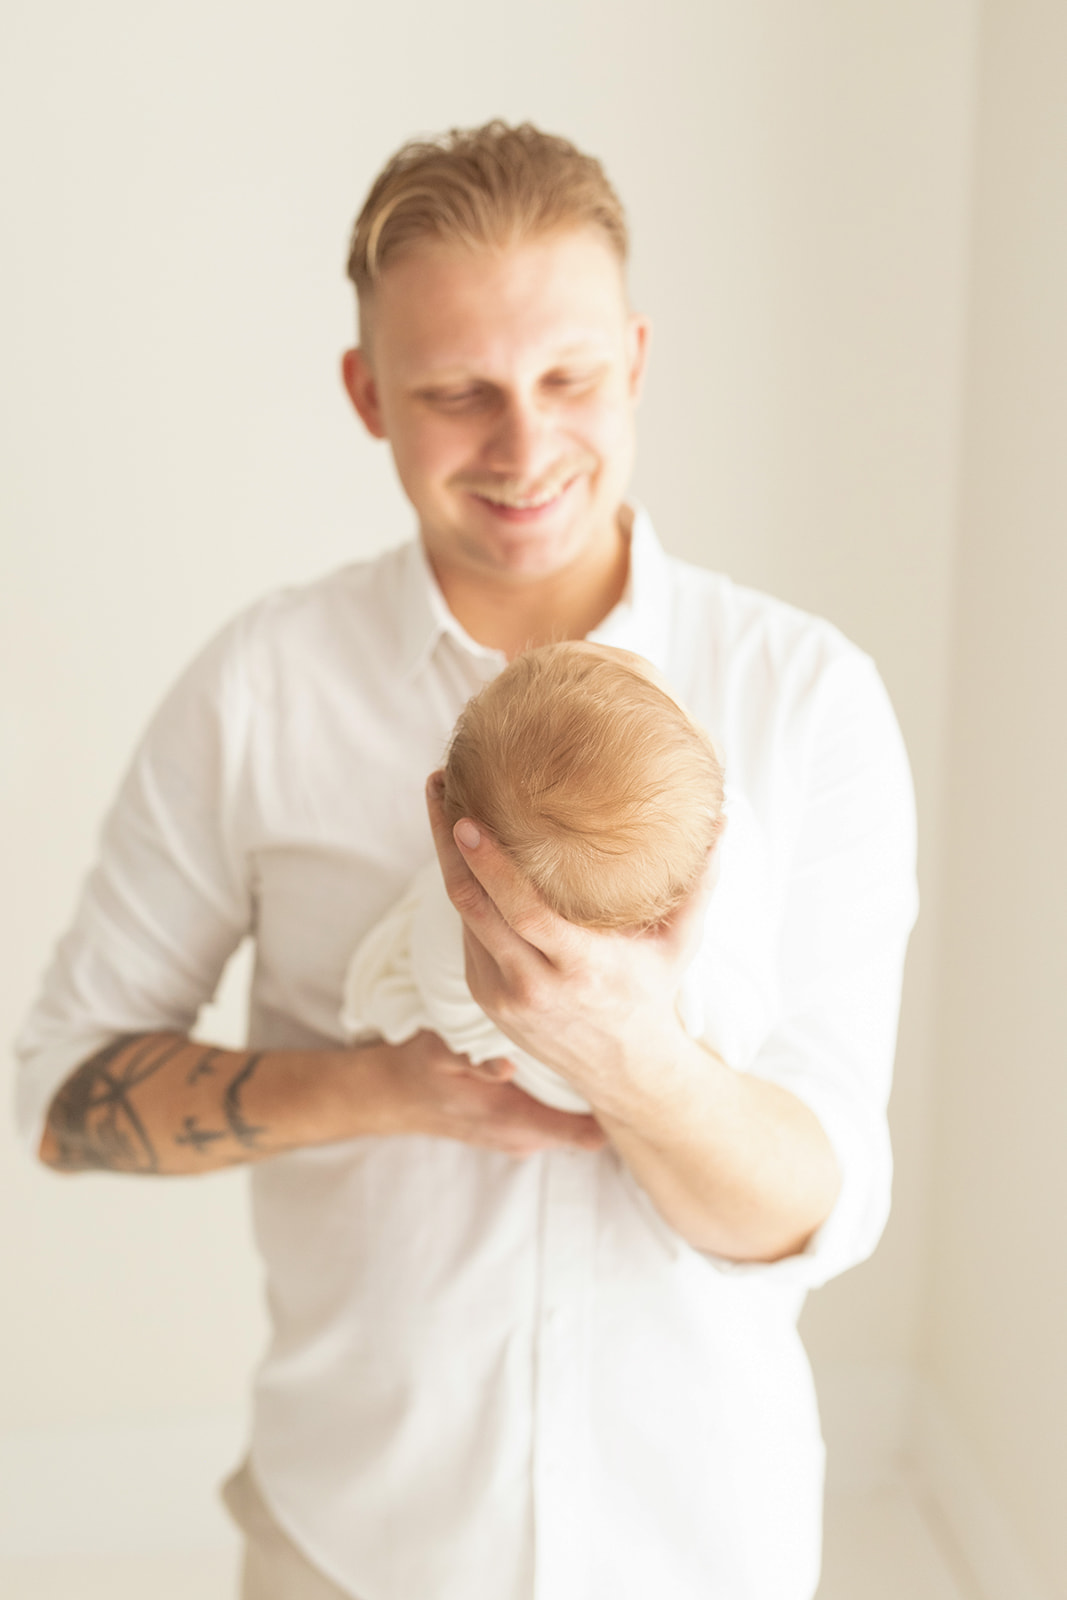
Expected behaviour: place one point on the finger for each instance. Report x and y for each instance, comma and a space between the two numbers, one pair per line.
457, 875
464, 890
473, 899
498, 1070
588, 1135
565, 1127
514, 897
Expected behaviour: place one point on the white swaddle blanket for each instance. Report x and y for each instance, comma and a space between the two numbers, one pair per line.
408, 972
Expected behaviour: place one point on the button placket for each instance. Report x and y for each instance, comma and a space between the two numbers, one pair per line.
562, 1510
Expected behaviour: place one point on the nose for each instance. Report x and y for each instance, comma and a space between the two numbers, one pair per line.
520, 445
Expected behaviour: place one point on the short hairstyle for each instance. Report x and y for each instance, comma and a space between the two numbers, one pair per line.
491, 185
595, 781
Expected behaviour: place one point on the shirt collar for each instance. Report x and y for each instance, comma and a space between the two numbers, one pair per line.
425, 617
640, 621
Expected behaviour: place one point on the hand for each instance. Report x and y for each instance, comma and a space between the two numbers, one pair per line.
597, 1007
446, 1096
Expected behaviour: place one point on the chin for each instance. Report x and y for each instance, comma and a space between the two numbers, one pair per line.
549, 548
540, 555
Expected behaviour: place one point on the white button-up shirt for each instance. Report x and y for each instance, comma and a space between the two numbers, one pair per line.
493, 1379
409, 972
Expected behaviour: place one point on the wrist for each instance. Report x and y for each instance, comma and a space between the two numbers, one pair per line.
668, 1083
326, 1096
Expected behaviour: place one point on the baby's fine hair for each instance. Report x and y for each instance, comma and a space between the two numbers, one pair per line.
595, 781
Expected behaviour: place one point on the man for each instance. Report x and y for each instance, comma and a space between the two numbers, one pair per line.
575, 1374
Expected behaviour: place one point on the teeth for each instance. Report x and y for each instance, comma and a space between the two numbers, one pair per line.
522, 502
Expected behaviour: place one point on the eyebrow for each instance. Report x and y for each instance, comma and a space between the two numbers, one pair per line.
593, 349
593, 355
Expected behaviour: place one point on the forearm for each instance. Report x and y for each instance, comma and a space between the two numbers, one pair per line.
159, 1103
737, 1166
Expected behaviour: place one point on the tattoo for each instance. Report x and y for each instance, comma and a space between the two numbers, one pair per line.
204, 1068
96, 1126
93, 1118
244, 1132
196, 1136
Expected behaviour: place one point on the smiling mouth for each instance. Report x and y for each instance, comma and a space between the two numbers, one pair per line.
505, 497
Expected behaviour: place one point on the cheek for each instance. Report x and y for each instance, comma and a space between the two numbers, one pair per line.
609, 431
424, 453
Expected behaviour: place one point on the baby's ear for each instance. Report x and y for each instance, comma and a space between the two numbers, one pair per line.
720, 822
714, 863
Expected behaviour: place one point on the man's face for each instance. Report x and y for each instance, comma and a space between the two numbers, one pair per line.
506, 381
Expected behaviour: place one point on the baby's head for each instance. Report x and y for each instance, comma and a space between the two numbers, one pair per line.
592, 777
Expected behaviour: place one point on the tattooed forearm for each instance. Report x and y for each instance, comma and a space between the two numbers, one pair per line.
244, 1132
204, 1066
160, 1103
155, 1103
93, 1118
198, 1138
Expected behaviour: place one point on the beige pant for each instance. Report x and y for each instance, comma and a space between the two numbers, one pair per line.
274, 1569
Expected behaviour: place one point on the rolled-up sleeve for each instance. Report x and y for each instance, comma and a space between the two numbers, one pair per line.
850, 904
168, 899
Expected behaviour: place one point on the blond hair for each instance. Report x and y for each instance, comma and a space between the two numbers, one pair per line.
593, 779
479, 187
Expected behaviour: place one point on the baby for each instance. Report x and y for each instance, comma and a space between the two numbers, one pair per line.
590, 775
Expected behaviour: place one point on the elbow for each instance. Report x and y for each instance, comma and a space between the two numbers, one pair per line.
773, 1231
50, 1153
812, 1211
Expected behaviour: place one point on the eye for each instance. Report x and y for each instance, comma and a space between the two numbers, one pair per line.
572, 380
462, 398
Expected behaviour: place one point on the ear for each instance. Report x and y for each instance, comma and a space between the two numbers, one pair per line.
362, 387
638, 339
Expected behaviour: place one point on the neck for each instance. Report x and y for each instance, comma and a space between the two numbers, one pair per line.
506, 614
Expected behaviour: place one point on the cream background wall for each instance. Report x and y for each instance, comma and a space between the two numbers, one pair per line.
180, 183
997, 1292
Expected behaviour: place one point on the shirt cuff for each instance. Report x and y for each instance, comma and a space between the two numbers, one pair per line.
41, 1075
855, 1225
